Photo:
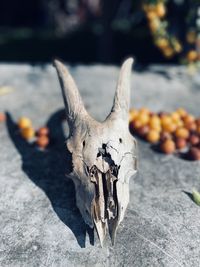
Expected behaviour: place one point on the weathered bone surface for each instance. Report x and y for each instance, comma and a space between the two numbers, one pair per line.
103, 154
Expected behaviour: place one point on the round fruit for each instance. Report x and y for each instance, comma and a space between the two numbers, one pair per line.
42, 141
2, 117
153, 136
188, 119
165, 135
162, 43
160, 10
165, 120
198, 129
192, 55
143, 131
182, 132
168, 146
24, 122
191, 37
170, 127
168, 52
198, 121
181, 111
43, 131
175, 116
180, 143
179, 123
133, 114
154, 122
154, 25
191, 126
143, 118
144, 110
178, 47
151, 15
28, 133
137, 124
194, 139
194, 153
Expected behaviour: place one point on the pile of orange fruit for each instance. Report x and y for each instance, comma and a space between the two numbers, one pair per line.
171, 132
40, 137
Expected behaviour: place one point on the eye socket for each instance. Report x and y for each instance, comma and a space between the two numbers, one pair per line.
98, 154
83, 143
120, 140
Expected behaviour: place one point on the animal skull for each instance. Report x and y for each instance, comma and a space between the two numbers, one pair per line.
103, 154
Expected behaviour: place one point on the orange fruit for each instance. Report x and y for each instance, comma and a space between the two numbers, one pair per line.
151, 15
133, 114
181, 111
137, 124
192, 55
180, 143
143, 118
178, 47
187, 119
160, 10
175, 116
43, 131
168, 52
144, 110
154, 121
166, 119
168, 146
154, 25
24, 122
198, 129
28, 133
169, 127
2, 117
162, 43
153, 136
42, 141
191, 37
182, 132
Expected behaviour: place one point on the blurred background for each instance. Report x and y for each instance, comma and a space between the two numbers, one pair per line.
100, 31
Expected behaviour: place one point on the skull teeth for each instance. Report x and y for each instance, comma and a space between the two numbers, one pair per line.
105, 205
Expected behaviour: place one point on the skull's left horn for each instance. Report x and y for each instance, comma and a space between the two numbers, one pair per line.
73, 102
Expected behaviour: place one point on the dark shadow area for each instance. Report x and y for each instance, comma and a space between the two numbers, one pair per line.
87, 32
48, 169
189, 195
156, 148
183, 155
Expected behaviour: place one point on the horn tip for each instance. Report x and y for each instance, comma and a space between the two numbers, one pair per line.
129, 60
56, 62
60, 67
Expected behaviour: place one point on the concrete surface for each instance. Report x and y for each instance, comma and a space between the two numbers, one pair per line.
40, 224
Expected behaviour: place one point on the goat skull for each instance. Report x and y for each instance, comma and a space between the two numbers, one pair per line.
103, 154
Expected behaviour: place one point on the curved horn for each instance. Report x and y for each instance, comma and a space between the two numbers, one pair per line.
122, 95
73, 103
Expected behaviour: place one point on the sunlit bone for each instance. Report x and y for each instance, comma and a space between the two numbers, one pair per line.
103, 154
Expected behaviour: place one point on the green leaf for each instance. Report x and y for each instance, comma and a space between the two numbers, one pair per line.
196, 197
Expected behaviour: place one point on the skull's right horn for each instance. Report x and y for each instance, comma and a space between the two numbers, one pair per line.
121, 104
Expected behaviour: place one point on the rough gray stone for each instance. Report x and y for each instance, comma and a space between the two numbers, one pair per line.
40, 224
